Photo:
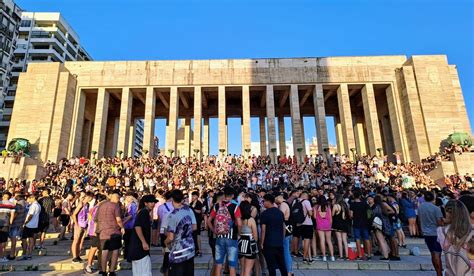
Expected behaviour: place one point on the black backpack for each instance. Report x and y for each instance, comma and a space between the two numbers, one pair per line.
296, 212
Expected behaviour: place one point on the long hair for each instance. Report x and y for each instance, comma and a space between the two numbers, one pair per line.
343, 204
323, 203
460, 227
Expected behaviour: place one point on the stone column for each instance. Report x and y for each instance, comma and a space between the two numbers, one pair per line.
125, 118
100, 126
197, 121
86, 137
205, 137
246, 143
263, 136
303, 138
131, 140
270, 104
187, 136
78, 131
339, 138
346, 119
371, 119
149, 127
222, 120
360, 136
396, 122
296, 123
320, 119
281, 135
171, 139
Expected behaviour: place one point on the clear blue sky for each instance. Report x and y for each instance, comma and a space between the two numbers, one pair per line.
174, 29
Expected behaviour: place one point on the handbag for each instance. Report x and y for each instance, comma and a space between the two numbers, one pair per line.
247, 246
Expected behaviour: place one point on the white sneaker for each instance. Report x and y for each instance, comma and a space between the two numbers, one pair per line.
4, 260
333, 259
325, 259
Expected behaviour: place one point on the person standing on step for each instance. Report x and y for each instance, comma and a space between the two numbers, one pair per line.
79, 218
30, 227
7, 214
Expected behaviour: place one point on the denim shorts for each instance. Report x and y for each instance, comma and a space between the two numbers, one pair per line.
361, 233
15, 232
229, 248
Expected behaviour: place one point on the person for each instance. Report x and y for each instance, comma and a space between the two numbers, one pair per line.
248, 248
16, 228
30, 227
47, 204
273, 233
91, 231
110, 228
7, 215
430, 218
65, 216
409, 211
385, 231
197, 207
341, 225
163, 212
79, 218
305, 230
284, 207
129, 220
397, 225
179, 237
456, 240
225, 222
140, 239
323, 217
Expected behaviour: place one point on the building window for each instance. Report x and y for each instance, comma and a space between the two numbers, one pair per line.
25, 23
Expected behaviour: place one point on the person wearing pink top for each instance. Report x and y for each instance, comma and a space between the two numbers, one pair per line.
323, 216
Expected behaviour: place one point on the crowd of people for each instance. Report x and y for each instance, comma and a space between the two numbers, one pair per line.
257, 215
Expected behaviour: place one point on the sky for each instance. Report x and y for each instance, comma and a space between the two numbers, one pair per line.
176, 29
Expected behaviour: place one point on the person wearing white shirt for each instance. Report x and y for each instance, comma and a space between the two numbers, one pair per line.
30, 227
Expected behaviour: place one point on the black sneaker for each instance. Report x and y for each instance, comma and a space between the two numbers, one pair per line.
299, 255
384, 259
103, 273
395, 259
77, 260
11, 258
112, 274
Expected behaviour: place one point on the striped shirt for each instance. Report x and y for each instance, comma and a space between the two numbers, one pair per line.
6, 208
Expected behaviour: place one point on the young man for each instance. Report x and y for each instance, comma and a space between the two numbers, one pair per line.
16, 228
139, 251
430, 218
7, 214
30, 227
273, 233
110, 228
179, 237
65, 216
163, 212
47, 205
360, 225
225, 222
306, 228
197, 206
129, 220
79, 217
284, 207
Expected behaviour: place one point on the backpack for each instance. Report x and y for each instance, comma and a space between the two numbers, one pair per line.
393, 217
82, 216
223, 221
297, 213
43, 217
457, 261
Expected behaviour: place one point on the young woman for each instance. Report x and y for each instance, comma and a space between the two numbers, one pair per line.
341, 224
409, 207
248, 248
378, 214
457, 240
322, 214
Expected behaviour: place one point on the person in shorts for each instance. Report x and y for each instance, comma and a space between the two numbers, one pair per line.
65, 216
16, 228
31, 227
163, 211
306, 229
7, 213
94, 238
110, 228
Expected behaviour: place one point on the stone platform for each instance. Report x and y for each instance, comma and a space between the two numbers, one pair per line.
57, 259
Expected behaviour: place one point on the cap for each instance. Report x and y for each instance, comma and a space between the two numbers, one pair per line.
149, 198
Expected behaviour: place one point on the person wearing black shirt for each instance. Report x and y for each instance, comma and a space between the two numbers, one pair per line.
139, 252
273, 234
358, 211
196, 205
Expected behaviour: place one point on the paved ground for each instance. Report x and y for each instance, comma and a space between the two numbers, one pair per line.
56, 260
207, 272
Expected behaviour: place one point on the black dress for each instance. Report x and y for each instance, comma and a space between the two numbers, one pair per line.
341, 224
